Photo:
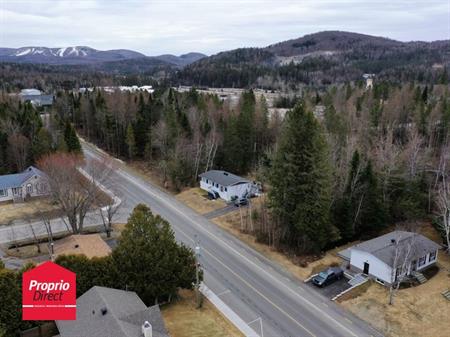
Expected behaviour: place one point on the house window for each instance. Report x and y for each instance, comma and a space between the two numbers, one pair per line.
17, 190
226, 190
422, 261
432, 256
29, 188
221, 188
3, 193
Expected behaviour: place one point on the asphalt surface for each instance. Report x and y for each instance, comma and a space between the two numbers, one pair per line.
332, 289
257, 289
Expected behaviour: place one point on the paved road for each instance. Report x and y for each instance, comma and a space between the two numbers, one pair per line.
257, 289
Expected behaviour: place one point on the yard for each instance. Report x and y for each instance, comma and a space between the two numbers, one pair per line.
196, 199
182, 319
29, 210
419, 311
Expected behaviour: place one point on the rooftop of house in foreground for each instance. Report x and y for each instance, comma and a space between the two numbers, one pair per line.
107, 312
384, 246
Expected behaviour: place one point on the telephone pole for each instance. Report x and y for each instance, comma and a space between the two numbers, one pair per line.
198, 294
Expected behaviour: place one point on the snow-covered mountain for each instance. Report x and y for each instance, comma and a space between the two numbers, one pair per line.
67, 55
87, 55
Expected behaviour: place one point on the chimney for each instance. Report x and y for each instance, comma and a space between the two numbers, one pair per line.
147, 329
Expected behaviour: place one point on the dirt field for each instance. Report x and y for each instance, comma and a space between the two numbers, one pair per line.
182, 319
196, 199
231, 222
26, 210
417, 312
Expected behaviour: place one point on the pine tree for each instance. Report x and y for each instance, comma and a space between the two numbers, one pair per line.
71, 139
148, 259
131, 142
301, 182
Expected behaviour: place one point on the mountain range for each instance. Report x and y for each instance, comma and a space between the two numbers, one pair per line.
85, 55
320, 59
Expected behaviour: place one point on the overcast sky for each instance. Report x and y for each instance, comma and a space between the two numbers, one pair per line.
209, 26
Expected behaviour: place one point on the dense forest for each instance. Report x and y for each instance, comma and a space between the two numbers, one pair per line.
372, 159
320, 59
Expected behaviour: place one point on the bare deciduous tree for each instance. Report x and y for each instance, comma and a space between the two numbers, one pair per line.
404, 249
76, 189
108, 212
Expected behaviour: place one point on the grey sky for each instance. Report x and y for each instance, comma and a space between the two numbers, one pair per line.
179, 26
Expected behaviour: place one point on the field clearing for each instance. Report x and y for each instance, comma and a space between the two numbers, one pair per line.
182, 319
196, 199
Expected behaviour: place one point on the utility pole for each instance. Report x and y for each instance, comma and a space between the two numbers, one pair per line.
198, 294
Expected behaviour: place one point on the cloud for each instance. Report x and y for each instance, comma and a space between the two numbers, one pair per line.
179, 26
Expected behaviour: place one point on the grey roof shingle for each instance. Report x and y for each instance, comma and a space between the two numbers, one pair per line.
125, 314
17, 179
384, 248
223, 178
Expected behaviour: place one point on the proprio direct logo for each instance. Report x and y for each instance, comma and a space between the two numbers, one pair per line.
49, 293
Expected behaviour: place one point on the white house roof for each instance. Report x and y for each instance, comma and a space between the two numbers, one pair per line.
17, 179
383, 247
223, 178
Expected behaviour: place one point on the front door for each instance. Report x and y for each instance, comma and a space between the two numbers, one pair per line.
366, 268
414, 265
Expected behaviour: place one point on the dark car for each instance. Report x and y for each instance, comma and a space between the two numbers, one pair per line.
328, 276
212, 195
240, 202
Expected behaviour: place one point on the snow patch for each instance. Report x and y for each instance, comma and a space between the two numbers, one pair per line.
23, 52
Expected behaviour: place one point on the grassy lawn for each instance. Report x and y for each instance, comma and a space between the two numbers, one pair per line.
28, 210
196, 199
419, 311
182, 319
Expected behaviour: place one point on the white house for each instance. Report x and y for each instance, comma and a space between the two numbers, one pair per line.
227, 185
29, 183
376, 258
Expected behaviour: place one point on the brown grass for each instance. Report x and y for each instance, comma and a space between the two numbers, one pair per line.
197, 199
231, 223
28, 251
417, 312
182, 319
28, 210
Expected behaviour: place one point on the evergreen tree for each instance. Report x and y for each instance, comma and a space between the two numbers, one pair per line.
131, 142
149, 260
301, 182
71, 138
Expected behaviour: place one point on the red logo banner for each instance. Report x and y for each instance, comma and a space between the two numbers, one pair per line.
49, 293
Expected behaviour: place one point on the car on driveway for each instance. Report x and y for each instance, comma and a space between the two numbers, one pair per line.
240, 202
328, 276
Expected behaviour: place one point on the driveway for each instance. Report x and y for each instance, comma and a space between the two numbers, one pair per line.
332, 289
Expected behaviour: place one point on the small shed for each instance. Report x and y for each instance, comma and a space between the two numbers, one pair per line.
227, 185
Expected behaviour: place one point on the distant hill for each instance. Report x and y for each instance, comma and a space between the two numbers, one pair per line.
181, 60
321, 58
86, 55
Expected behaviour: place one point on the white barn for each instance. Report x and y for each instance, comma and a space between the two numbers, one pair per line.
227, 185
27, 184
375, 258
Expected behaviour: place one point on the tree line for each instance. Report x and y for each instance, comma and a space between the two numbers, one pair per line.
366, 159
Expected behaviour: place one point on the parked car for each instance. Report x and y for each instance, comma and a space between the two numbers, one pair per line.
212, 195
328, 276
240, 202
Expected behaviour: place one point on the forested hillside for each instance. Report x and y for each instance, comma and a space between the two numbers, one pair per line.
321, 59
375, 156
